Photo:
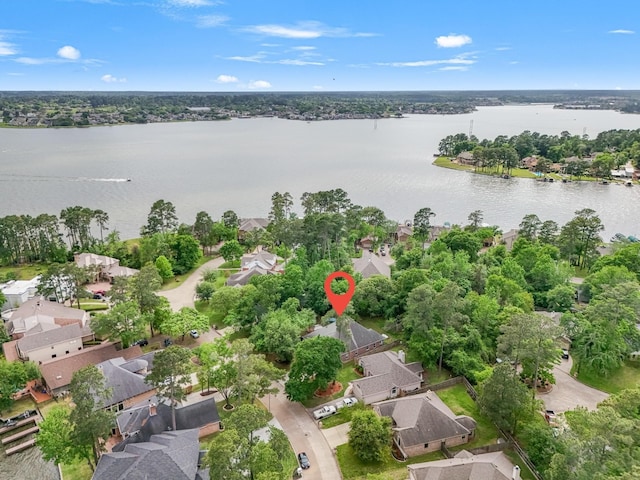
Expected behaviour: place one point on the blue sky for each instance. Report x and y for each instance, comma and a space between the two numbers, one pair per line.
322, 45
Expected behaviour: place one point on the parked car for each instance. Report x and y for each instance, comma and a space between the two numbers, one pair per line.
325, 412
304, 460
350, 401
565, 354
142, 342
194, 333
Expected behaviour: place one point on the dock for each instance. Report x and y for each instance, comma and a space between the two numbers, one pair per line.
19, 435
21, 447
19, 424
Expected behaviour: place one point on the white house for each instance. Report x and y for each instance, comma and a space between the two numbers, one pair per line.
17, 292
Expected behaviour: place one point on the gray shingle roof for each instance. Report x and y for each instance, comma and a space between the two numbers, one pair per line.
167, 456
422, 419
194, 415
29, 343
123, 383
369, 265
360, 336
386, 371
243, 277
486, 466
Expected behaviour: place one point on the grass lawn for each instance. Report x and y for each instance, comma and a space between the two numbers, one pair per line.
343, 416
345, 375
92, 305
19, 406
525, 473
231, 264
459, 401
23, 272
76, 471
177, 280
354, 469
627, 376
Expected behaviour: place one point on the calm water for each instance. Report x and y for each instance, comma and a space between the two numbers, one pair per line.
238, 164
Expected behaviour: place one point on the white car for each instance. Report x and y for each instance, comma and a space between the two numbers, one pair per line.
194, 333
349, 401
324, 412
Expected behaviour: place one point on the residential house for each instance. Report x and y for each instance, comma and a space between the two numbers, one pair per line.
369, 265
106, 268
242, 278
423, 423
37, 315
357, 339
251, 224
125, 379
529, 163
386, 375
141, 422
467, 466
165, 456
17, 292
261, 259
436, 230
366, 243
465, 158
57, 373
509, 238
403, 232
43, 330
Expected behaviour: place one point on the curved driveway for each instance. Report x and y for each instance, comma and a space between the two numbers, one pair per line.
568, 393
184, 295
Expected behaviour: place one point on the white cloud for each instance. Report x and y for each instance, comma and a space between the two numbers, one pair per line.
15, 74
515, 62
192, 3
111, 79
69, 53
459, 60
7, 48
452, 41
211, 21
303, 48
502, 49
454, 68
257, 58
295, 61
622, 31
304, 30
318, 87
259, 84
35, 61
270, 45
226, 79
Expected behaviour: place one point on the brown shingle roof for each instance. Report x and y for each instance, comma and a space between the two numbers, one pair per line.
486, 466
57, 373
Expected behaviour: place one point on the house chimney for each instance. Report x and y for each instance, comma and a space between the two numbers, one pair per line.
153, 411
516, 473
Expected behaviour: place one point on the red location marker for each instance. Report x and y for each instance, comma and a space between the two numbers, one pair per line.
339, 302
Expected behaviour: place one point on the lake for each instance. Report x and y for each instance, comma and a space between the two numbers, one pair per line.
239, 164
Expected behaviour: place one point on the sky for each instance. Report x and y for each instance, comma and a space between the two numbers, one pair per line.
321, 45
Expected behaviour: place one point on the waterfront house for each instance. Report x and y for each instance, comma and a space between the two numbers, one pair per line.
509, 238
403, 232
423, 423
261, 259
386, 375
104, 268
250, 224
165, 456
125, 381
242, 278
465, 158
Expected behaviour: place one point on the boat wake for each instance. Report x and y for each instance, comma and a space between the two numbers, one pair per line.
47, 178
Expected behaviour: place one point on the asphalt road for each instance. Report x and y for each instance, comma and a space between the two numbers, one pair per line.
304, 435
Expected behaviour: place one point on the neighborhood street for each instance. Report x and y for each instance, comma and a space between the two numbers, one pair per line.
304, 435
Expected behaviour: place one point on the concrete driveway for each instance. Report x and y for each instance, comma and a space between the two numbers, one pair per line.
568, 393
304, 435
184, 295
338, 435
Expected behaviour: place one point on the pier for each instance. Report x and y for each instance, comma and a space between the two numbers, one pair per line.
19, 435
21, 447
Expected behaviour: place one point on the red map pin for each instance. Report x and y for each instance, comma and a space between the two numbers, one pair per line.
339, 302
